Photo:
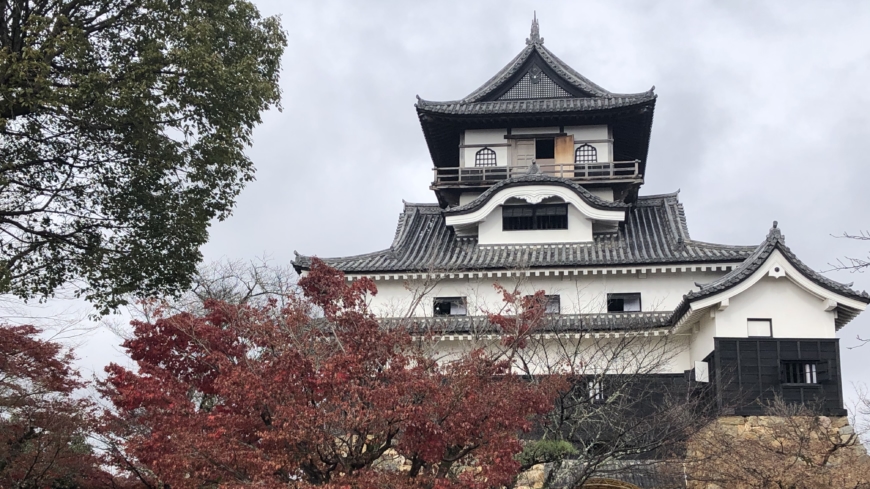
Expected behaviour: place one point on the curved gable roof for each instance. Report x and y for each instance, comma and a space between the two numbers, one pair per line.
537, 89
774, 241
654, 232
534, 179
536, 55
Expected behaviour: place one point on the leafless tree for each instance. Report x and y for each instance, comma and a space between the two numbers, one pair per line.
791, 447
848, 263
622, 409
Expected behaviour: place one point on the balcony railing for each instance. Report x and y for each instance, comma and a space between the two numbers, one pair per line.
586, 172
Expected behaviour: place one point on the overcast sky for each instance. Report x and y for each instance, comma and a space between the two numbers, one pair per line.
763, 114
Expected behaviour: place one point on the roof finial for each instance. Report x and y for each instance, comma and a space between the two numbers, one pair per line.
535, 36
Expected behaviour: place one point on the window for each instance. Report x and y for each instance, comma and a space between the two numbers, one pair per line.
585, 154
623, 302
545, 149
758, 327
800, 373
595, 390
450, 306
552, 304
485, 157
528, 217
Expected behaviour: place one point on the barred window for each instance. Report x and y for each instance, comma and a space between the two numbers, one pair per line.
485, 157
595, 390
528, 217
585, 154
800, 373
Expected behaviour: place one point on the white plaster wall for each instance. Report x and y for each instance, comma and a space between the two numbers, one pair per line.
603, 193
582, 134
493, 137
534, 130
485, 136
795, 313
701, 343
582, 294
467, 197
587, 133
579, 230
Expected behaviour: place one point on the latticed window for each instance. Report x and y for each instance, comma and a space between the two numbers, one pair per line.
585, 154
528, 217
535, 84
485, 157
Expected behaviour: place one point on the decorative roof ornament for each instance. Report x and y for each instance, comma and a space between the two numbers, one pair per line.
534, 170
775, 233
535, 36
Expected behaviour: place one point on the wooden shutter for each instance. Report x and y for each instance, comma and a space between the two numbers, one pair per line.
525, 152
823, 371
564, 156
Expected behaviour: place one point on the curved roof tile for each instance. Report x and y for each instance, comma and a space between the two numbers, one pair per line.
654, 232
774, 241
534, 179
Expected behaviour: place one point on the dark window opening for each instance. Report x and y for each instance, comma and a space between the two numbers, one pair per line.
552, 304
800, 373
545, 149
450, 306
585, 154
623, 302
485, 157
529, 217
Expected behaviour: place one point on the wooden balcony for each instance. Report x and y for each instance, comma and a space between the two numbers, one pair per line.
600, 172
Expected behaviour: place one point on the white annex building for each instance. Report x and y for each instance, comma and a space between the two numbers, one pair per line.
538, 177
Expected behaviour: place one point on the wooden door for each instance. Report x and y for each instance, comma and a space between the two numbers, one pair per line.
564, 156
525, 152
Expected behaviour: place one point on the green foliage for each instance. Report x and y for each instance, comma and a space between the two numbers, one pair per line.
544, 451
123, 125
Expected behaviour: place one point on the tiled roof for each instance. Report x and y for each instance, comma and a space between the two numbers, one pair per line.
586, 94
549, 105
574, 323
654, 232
774, 241
534, 179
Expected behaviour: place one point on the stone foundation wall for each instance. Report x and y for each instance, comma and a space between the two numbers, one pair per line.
850, 465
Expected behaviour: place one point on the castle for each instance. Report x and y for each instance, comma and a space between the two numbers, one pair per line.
537, 176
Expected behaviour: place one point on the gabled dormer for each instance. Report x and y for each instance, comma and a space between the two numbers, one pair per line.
538, 109
534, 209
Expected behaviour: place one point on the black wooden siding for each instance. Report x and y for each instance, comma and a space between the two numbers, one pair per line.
747, 373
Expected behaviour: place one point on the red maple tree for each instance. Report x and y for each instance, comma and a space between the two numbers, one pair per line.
44, 427
314, 394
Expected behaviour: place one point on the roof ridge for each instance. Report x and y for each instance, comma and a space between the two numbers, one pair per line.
774, 240
501, 76
425, 242
419, 204
535, 44
675, 194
